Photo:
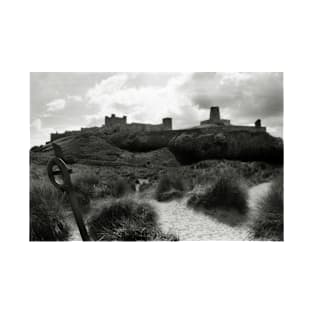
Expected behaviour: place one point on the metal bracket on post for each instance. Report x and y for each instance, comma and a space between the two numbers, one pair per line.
65, 184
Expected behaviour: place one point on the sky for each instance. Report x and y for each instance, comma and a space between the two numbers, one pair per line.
68, 101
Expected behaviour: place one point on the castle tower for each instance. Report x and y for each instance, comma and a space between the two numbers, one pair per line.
215, 114
167, 123
215, 118
113, 120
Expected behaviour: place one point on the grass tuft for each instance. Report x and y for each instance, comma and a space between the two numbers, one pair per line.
270, 223
46, 206
226, 192
226, 200
126, 220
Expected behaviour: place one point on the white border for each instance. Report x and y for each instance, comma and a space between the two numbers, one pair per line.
156, 36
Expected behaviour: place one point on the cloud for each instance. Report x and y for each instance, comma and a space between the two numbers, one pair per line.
187, 97
142, 104
56, 105
242, 95
107, 87
83, 99
36, 124
75, 98
38, 133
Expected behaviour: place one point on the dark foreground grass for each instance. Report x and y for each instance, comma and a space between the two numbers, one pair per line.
46, 207
270, 223
126, 220
226, 200
170, 187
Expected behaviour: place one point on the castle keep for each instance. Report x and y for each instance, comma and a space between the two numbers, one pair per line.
215, 118
215, 123
115, 121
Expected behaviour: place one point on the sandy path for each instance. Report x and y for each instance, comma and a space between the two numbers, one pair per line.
175, 217
255, 193
73, 229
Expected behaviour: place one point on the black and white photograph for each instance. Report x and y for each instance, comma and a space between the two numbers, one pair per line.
156, 156
148, 156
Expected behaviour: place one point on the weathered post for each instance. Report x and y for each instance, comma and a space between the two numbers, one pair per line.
66, 186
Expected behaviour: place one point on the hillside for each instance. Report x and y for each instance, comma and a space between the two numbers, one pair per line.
185, 146
186, 164
93, 149
193, 145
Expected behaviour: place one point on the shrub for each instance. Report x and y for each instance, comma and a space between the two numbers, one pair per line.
120, 188
270, 222
227, 193
169, 188
46, 207
126, 220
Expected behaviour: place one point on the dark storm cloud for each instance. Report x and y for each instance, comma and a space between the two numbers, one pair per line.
244, 95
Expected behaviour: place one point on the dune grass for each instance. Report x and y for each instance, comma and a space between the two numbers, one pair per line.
225, 200
46, 206
86, 183
227, 192
270, 223
170, 187
126, 220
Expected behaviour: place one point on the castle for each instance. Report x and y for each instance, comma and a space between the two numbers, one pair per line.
113, 121
118, 123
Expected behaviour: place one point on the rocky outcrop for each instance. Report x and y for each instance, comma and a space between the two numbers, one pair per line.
193, 145
237, 145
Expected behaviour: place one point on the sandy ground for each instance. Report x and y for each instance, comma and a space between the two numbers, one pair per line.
75, 235
175, 217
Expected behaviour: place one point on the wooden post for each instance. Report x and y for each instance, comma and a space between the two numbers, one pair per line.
66, 186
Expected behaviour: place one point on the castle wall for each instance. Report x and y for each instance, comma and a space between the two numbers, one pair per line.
216, 122
55, 136
146, 127
213, 125
87, 129
114, 121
